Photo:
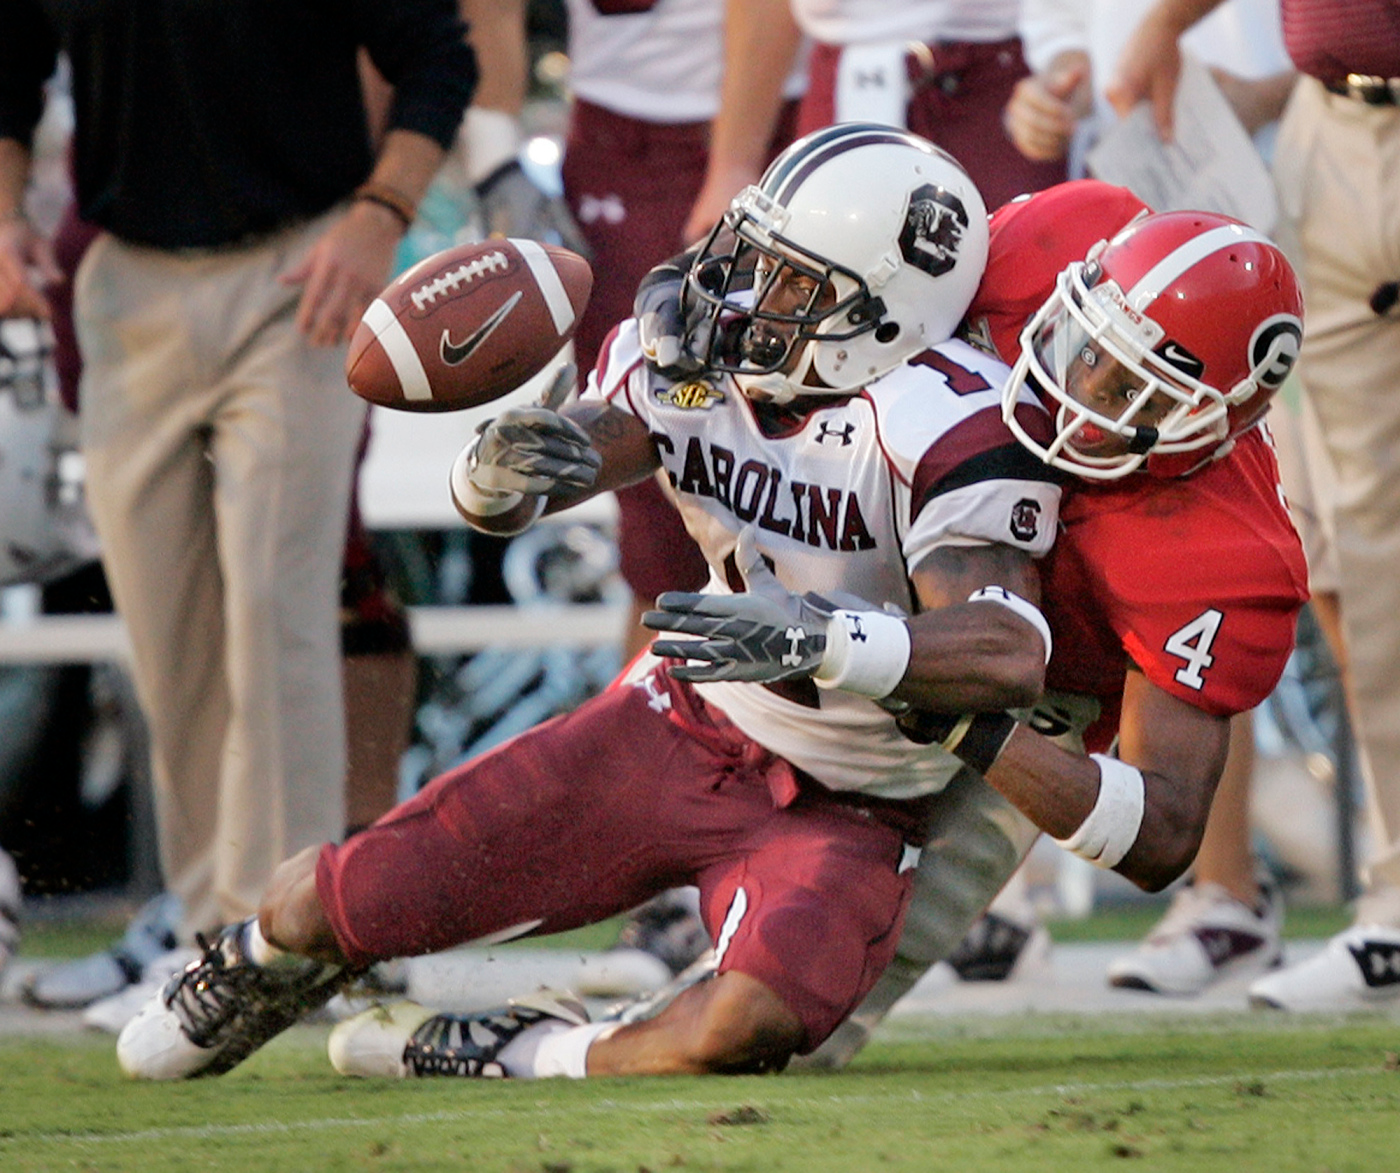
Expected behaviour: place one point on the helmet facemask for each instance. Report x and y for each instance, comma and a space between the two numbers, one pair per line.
1088, 335
759, 305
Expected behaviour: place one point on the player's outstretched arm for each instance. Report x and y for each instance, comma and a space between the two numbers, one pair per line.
532, 460
1141, 814
959, 657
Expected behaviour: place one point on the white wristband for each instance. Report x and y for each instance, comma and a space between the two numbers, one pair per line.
474, 501
489, 139
1023, 607
1112, 827
867, 652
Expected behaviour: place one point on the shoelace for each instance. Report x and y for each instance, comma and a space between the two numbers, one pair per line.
208, 993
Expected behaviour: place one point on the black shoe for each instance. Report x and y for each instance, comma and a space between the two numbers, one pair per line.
992, 948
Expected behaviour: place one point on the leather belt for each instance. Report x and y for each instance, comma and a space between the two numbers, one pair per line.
1363, 87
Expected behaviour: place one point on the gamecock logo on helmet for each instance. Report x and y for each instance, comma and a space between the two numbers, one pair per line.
1283, 336
933, 230
1025, 519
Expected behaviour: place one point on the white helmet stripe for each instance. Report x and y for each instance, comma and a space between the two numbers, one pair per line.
1176, 262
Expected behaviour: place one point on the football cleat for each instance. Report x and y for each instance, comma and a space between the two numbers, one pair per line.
1205, 936
403, 1040
113, 1012
218, 1010
1357, 969
996, 949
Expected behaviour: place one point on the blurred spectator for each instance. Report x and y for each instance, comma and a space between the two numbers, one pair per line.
242, 234
943, 68
676, 106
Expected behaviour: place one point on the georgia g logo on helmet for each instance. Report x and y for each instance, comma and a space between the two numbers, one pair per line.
1276, 342
933, 230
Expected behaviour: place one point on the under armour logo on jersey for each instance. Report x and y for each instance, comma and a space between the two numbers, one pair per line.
609, 208
1025, 519
827, 432
1379, 962
855, 629
871, 79
658, 700
933, 230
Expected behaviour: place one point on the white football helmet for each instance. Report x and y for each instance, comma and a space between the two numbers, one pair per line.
861, 246
44, 531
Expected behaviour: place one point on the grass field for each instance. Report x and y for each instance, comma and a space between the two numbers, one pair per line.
1028, 1094
1024, 1093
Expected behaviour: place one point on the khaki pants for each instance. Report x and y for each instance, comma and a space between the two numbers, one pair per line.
1335, 167
219, 448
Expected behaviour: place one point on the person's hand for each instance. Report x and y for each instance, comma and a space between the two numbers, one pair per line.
344, 271
26, 265
764, 634
1043, 111
512, 206
533, 450
718, 191
661, 325
1148, 71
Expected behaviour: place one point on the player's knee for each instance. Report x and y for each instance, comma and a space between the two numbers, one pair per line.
742, 1027
291, 916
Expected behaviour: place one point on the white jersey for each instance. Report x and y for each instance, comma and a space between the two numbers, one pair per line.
847, 500
662, 64
856, 22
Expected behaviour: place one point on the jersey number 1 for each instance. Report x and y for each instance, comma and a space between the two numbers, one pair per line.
1192, 644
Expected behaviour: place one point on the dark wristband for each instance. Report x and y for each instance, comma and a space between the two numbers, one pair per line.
978, 744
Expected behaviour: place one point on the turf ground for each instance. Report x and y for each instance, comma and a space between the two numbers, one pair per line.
1072, 1093
968, 1088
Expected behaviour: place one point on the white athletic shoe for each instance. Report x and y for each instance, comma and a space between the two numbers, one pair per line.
1357, 969
152, 931
1205, 936
113, 1012
9, 908
403, 1040
220, 1009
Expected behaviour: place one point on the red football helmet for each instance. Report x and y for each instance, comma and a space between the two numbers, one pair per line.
1160, 347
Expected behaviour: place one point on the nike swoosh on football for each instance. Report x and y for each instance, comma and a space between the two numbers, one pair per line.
455, 353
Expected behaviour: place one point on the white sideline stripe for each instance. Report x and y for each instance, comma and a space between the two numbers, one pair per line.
81, 639
394, 339
671, 1104
561, 309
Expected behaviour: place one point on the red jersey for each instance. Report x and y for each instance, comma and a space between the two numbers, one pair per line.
1198, 581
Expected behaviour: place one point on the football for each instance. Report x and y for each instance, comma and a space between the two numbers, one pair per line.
467, 325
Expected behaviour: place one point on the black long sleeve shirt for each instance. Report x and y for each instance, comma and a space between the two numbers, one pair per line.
202, 122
